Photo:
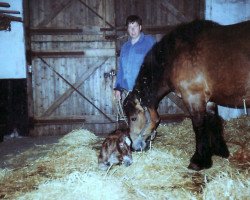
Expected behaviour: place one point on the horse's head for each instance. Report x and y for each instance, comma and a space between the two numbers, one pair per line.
142, 122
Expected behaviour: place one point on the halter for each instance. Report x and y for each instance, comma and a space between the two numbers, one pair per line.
147, 115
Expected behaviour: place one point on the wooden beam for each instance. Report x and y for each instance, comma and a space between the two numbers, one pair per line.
178, 101
9, 11
151, 29
94, 119
57, 54
86, 119
54, 31
57, 121
57, 8
3, 4
68, 92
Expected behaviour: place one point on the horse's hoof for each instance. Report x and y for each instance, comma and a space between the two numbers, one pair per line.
195, 167
198, 167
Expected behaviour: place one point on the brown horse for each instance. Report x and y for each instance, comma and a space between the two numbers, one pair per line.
201, 62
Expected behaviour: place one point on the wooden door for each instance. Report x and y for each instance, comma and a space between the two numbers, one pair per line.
71, 61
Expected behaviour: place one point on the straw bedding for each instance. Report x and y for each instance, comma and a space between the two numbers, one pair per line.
68, 169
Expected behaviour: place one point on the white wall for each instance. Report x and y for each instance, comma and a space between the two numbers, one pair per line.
228, 12
12, 46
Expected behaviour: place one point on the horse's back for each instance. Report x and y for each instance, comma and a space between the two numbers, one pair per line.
228, 63
218, 63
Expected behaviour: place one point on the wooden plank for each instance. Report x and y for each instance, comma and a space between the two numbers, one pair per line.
54, 31
88, 119
174, 11
68, 38
96, 13
57, 121
68, 92
86, 52
87, 30
178, 101
57, 54
95, 119
153, 28
58, 7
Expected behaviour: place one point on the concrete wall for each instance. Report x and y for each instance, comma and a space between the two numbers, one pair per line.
12, 46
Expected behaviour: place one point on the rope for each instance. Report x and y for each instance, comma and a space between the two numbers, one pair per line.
120, 112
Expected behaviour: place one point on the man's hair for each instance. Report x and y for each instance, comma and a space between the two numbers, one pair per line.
132, 19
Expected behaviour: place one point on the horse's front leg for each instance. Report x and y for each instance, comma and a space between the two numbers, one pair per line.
152, 122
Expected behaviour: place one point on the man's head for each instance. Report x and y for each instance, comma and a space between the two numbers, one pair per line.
133, 23
132, 19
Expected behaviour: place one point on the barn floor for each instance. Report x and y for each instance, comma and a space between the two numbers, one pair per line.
13, 146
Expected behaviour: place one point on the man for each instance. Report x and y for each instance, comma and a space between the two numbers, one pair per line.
132, 55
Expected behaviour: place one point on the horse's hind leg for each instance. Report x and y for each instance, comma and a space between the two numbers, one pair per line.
202, 158
214, 124
208, 129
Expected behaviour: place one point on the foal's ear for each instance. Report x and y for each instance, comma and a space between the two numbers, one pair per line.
138, 105
127, 140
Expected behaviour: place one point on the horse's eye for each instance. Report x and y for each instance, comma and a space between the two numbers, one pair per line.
133, 119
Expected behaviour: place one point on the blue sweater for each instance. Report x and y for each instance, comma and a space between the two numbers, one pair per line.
131, 59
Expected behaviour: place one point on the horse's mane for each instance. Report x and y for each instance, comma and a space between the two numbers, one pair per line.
159, 59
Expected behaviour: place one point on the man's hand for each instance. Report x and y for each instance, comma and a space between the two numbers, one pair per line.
117, 94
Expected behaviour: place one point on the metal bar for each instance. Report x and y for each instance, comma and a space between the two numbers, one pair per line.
3, 4
10, 11
12, 18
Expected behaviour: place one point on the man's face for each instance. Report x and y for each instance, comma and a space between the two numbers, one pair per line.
134, 30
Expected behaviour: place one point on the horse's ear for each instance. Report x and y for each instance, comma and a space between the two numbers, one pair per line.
138, 105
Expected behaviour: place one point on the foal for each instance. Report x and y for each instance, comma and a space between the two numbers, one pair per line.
116, 149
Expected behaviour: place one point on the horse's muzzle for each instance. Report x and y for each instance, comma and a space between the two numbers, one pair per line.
140, 145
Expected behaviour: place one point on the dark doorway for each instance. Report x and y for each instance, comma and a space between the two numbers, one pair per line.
13, 107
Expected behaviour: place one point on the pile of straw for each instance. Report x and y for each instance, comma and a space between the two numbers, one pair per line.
69, 170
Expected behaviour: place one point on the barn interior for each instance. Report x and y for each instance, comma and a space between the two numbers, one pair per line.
59, 62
